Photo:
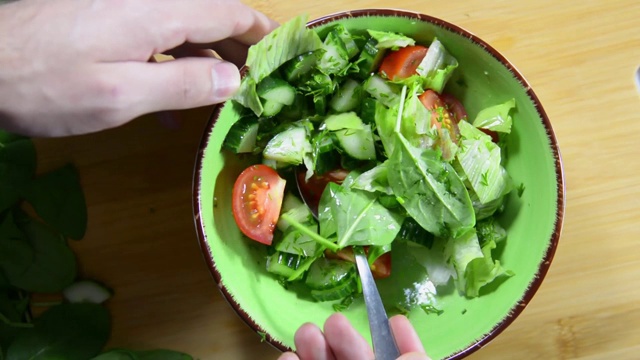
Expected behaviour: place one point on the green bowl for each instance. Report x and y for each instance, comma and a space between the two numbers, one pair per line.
533, 219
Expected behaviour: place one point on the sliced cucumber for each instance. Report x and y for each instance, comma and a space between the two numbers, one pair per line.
358, 144
320, 104
242, 135
290, 145
328, 273
299, 66
87, 291
294, 208
289, 202
347, 39
335, 57
284, 264
325, 155
276, 90
368, 110
347, 120
370, 58
381, 90
347, 97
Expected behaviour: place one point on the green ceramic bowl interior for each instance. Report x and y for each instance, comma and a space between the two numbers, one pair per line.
533, 220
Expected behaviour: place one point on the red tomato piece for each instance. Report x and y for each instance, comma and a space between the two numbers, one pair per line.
440, 115
256, 201
381, 267
314, 187
402, 63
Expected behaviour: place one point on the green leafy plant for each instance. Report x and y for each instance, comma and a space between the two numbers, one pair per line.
39, 214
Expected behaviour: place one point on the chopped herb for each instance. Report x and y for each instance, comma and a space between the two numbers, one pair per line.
520, 189
263, 336
430, 309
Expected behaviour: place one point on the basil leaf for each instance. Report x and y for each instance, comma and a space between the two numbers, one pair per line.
59, 200
431, 191
53, 266
160, 354
360, 219
67, 331
16, 254
17, 167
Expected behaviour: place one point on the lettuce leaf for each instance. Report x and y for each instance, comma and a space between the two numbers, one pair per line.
480, 161
281, 45
390, 40
437, 66
496, 117
483, 270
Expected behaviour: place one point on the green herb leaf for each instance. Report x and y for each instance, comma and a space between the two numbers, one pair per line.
359, 217
67, 331
59, 200
17, 167
16, 254
53, 266
160, 354
433, 193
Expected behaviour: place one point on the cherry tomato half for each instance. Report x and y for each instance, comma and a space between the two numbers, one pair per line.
381, 267
256, 200
440, 115
402, 63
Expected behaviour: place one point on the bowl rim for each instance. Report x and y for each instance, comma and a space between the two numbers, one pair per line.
544, 265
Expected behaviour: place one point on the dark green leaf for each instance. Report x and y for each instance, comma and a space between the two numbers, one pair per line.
123, 354
359, 217
67, 331
7, 137
16, 254
59, 200
54, 263
432, 193
17, 167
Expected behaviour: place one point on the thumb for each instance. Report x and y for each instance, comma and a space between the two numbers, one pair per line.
172, 85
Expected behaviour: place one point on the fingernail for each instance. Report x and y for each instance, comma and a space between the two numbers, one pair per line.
225, 79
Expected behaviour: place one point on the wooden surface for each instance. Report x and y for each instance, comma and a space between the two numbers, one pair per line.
579, 56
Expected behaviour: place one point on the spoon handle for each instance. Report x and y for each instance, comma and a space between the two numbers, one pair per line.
384, 344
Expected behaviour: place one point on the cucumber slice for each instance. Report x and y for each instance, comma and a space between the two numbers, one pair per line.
347, 120
325, 155
284, 264
368, 110
296, 209
326, 273
370, 58
347, 97
242, 135
276, 90
271, 108
87, 291
347, 39
381, 90
299, 66
290, 145
337, 293
358, 144
335, 57
320, 105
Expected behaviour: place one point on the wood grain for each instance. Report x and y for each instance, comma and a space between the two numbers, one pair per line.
579, 56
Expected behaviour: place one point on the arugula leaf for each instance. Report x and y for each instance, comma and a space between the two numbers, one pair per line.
54, 263
431, 191
359, 218
374, 180
66, 331
290, 39
17, 167
58, 199
480, 160
296, 242
496, 118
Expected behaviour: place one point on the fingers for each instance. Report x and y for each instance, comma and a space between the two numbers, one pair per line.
311, 343
136, 88
288, 356
344, 340
405, 335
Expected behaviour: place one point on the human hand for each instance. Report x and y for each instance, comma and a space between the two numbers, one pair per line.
78, 66
340, 341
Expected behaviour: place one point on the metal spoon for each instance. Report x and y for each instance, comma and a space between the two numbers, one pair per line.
384, 344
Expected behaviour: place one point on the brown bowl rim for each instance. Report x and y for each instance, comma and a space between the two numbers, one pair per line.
555, 237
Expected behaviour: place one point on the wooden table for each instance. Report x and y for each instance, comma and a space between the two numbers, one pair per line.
580, 58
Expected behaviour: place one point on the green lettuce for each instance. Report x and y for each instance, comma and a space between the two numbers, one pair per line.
496, 117
480, 161
483, 270
291, 39
437, 67
390, 40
